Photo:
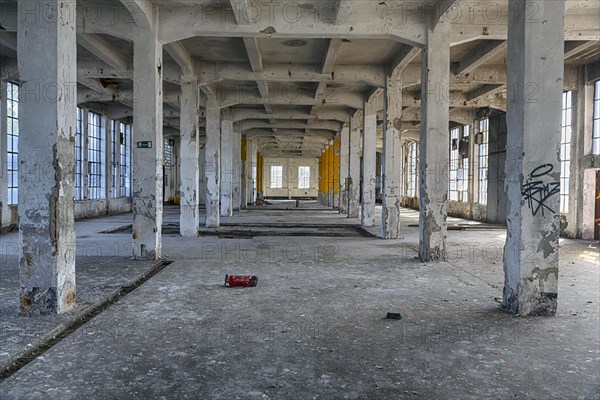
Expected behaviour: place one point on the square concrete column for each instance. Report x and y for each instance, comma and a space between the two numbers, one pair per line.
344, 167
250, 164
212, 165
369, 152
434, 154
535, 85
392, 158
227, 171
189, 217
354, 167
202, 176
148, 157
47, 53
237, 168
244, 173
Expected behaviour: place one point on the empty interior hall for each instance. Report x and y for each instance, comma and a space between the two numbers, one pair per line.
296, 199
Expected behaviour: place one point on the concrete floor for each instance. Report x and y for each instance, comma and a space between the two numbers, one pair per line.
314, 328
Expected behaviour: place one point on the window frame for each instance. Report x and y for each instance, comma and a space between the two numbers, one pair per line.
304, 177
483, 158
12, 142
276, 178
96, 139
565, 149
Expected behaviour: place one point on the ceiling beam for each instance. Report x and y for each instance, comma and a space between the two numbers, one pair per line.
181, 56
9, 40
404, 57
102, 50
478, 56
483, 91
574, 48
343, 11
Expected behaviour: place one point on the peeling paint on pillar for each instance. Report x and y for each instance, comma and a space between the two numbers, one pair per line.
392, 158
354, 168
369, 165
189, 155
434, 156
147, 178
212, 167
227, 169
535, 54
47, 162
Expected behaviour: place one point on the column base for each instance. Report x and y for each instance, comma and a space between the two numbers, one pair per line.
41, 302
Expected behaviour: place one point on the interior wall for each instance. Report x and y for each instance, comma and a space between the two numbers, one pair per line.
290, 188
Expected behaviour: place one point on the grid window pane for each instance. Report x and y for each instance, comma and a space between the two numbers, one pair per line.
565, 150
303, 177
12, 142
96, 140
125, 165
484, 131
276, 177
413, 167
596, 117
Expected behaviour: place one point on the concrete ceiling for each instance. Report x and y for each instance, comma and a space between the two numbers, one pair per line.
293, 72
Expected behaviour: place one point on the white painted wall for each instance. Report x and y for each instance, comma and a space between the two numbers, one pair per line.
290, 177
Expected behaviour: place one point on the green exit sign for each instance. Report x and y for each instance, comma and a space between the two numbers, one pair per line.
144, 145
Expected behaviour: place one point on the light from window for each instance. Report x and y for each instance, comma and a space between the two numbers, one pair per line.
79, 154
463, 170
413, 166
565, 151
113, 157
96, 140
168, 151
484, 132
12, 142
303, 177
454, 163
276, 177
125, 152
596, 130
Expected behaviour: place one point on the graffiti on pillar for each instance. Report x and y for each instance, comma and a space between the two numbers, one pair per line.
537, 192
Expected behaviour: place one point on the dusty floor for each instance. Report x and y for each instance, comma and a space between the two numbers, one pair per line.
314, 328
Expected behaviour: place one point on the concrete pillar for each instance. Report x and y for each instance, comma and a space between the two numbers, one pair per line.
251, 163
237, 168
535, 65
212, 166
47, 54
244, 173
189, 217
354, 166
227, 171
434, 154
148, 134
369, 152
344, 167
392, 158
202, 176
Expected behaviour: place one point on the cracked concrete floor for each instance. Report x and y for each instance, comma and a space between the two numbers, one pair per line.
314, 327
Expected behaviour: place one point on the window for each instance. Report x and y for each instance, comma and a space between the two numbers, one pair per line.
276, 177
565, 151
125, 152
12, 142
96, 138
463, 169
596, 130
484, 135
79, 154
303, 177
168, 150
412, 169
113, 157
454, 163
